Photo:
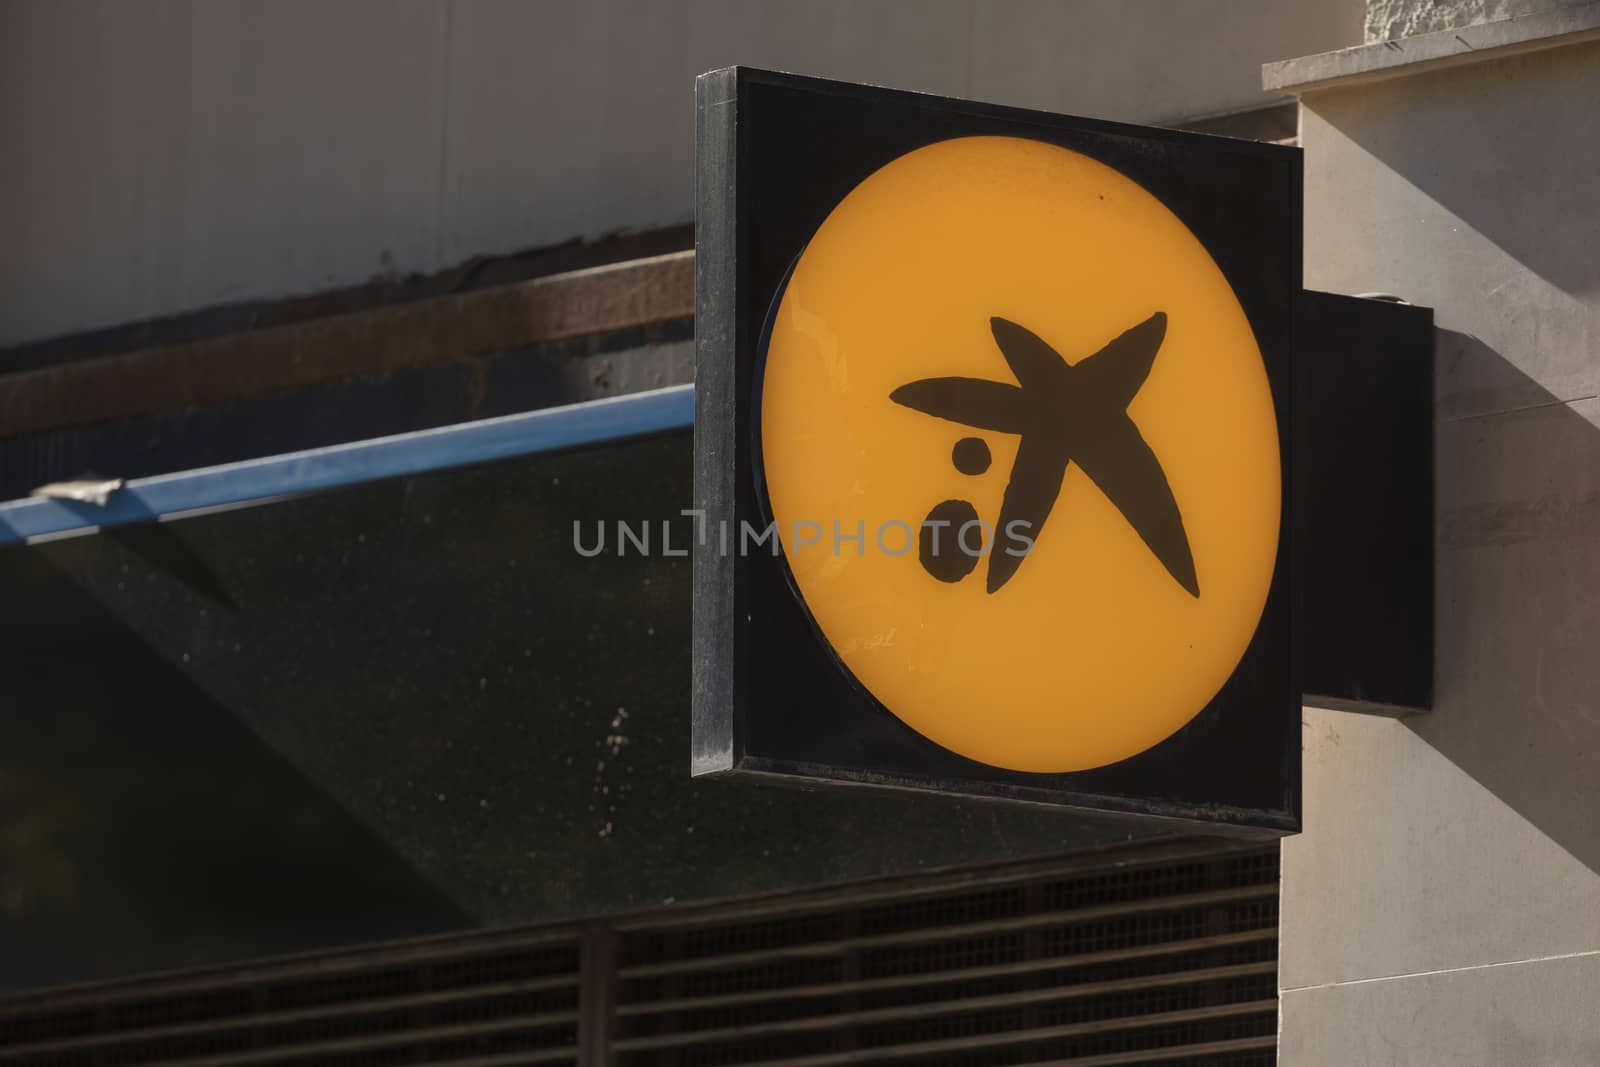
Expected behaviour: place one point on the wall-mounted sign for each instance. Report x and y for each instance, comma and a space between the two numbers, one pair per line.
992, 432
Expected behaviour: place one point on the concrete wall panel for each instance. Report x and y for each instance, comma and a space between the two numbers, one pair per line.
1535, 1014
1439, 189
1471, 835
1443, 905
178, 154
1144, 60
168, 155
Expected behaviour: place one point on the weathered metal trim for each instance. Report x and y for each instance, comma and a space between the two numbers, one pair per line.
470, 325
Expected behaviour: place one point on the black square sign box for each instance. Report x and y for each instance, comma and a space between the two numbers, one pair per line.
992, 436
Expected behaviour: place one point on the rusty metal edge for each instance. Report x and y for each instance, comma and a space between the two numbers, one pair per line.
466, 326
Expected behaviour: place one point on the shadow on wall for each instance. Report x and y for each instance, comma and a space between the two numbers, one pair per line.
1527, 186
1493, 224
1518, 597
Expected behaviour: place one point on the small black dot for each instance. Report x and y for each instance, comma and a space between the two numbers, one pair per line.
971, 455
940, 547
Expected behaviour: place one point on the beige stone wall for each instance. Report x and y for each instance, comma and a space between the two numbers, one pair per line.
1442, 907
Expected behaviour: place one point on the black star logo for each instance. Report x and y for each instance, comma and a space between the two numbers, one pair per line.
1068, 413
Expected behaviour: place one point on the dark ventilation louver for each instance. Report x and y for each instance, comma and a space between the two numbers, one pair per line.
499, 1003
1164, 963
1164, 955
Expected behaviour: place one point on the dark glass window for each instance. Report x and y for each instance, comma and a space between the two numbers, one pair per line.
401, 708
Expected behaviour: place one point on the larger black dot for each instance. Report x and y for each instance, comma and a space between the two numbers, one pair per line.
939, 545
971, 455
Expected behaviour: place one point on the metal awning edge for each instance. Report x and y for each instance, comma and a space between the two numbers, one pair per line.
258, 481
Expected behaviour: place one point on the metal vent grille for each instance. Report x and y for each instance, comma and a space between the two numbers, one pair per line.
451, 1004
1155, 962
1154, 955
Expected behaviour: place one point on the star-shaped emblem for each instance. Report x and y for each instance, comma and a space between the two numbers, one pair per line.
1068, 413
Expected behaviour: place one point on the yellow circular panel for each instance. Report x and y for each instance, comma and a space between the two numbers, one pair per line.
963, 291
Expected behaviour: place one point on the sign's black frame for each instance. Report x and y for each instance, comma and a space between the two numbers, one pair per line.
776, 152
